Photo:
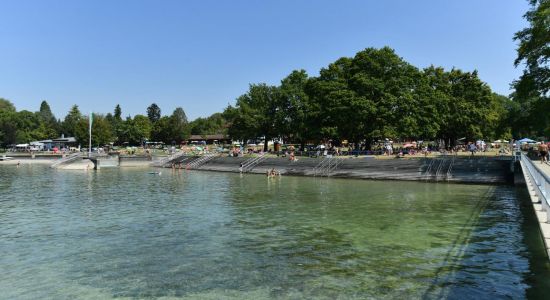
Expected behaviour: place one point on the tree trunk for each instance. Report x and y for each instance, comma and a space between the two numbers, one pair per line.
265, 143
302, 145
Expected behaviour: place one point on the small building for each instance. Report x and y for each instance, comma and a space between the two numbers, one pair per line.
64, 143
209, 139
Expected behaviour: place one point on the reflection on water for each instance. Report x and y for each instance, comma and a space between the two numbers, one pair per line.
128, 234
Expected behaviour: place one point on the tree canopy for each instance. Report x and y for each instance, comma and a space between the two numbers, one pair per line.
531, 90
153, 112
373, 95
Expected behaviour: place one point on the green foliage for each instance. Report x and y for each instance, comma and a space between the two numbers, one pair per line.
69, 124
179, 129
25, 126
298, 122
161, 131
102, 132
117, 113
6, 105
534, 47
530, 115
135, 131
260, 113
374, 95
153, 113
214, 124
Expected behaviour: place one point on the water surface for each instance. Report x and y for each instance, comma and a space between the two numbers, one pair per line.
123, 233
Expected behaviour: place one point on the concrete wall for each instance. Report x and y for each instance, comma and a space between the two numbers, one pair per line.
134, 161
460, 169
108, 162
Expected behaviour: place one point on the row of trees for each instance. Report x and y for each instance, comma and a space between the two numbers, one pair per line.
371, 96
531, 110
25, 126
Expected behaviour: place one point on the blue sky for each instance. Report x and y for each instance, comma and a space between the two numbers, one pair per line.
202, 54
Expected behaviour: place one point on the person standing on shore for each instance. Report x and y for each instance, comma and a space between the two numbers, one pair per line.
472, 147
543, 152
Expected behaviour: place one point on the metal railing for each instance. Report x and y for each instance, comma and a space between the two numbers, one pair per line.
429, 169
66, 159
332, 165
169, 159
250, 163
450, 169
440, 168
317, 169
201, 161
541, 183
326, 166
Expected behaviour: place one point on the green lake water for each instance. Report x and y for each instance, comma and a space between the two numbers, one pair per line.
127, 234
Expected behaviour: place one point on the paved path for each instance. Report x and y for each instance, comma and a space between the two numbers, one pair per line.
541, 214
544, 167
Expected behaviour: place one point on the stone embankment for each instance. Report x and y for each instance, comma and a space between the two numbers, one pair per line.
492, 170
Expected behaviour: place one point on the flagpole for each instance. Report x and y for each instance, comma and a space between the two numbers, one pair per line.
90, 120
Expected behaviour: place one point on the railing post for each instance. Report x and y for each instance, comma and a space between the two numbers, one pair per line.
540, 183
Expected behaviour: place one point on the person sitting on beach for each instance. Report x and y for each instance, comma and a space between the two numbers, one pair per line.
292, 157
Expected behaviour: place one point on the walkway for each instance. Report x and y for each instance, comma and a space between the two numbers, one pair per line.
537, 178
544, 167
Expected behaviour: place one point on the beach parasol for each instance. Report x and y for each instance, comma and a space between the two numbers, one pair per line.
526, 140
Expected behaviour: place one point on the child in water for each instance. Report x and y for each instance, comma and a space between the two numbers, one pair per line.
273, 173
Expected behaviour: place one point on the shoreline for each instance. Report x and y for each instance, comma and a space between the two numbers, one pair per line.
445, 169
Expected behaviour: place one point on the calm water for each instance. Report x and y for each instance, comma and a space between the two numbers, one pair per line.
127, 234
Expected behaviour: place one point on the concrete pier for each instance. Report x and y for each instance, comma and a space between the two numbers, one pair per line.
537, 180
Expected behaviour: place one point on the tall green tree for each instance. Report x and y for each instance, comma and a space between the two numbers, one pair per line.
72, 119
534, 47
531, 90
153, 112
259, 114
45, 112
299, 112
48, 120
142, 126
214, 124
115, 124
161, 130
179, 126
8, 127
102, 133
118, 113
6, 105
